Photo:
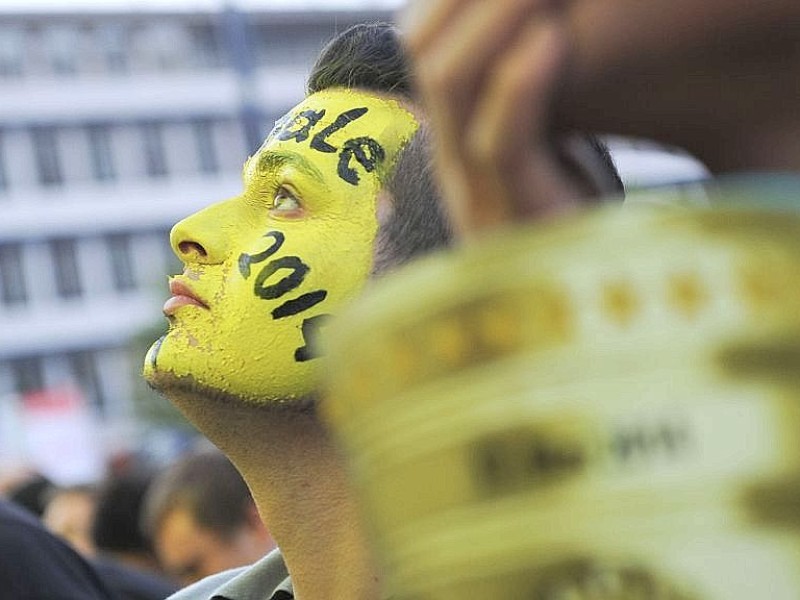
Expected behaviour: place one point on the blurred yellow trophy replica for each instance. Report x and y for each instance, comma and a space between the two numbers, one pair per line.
607, 408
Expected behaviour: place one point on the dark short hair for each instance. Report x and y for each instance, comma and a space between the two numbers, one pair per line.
371, 57
32, 493
117, 525
367, 56
207, 485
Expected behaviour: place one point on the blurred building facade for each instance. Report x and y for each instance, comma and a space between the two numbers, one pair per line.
113, 126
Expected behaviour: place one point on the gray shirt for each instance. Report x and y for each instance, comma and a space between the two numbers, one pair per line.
267, 579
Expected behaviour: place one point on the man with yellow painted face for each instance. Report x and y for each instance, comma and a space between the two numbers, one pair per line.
340, 190
266, 268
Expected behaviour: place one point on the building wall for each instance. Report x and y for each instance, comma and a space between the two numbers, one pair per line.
113, 126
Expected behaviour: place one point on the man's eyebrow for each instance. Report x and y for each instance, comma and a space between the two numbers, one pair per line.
273, 161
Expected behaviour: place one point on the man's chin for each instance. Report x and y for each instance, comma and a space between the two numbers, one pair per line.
184, 389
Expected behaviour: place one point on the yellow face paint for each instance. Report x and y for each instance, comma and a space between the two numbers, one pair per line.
265, 269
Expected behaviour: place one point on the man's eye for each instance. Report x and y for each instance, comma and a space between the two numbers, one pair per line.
285, 201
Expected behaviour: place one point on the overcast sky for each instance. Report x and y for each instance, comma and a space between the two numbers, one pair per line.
68, 5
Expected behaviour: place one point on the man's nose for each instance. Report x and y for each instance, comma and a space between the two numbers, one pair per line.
199, 239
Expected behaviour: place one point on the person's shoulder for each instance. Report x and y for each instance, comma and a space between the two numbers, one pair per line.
130, 583
267, 574
14, 516
42, 565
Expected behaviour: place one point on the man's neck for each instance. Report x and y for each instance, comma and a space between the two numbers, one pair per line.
298, 482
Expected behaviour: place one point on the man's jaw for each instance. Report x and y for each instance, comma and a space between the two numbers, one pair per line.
177, 387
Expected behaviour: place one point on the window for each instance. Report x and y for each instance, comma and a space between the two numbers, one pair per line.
61, 43
84, 369
159, 44
295, 47
156, 163
65, 262
169, 43
119, 251
206, 52
102, 156
3, 177
27, 374
12, 49
12, 275
206, 151
47, 159
112, 38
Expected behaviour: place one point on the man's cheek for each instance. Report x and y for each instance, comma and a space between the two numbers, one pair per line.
281, 282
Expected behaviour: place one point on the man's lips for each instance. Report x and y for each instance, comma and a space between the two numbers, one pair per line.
182, 295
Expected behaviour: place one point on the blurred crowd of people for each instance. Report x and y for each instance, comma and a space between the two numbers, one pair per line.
139, 534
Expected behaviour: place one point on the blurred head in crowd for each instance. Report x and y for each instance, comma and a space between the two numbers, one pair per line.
69, 514
117, 525
202, 518
30, 490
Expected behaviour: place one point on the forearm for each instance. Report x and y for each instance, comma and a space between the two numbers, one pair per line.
704, 75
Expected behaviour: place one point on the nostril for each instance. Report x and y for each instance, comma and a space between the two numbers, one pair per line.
192, 247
